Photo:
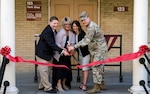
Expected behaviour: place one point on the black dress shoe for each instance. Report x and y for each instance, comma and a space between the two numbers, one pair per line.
51, 91
41, 88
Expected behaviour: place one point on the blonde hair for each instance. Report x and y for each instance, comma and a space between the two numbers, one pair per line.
66, 19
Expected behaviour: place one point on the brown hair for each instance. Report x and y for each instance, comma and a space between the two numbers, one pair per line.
78, 25
53, 18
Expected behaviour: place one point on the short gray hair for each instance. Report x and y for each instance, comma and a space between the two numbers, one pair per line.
66, 19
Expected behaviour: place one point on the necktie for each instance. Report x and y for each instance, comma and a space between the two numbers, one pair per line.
54, 32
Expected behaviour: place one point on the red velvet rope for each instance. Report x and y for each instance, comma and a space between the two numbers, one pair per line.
5, 51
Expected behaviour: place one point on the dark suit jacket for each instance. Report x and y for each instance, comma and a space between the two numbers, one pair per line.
84, 50
46, 44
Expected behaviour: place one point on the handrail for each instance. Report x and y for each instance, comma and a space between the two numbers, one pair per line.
6, 84
147, 58
142, 61
142, 83
2, 69
111, 45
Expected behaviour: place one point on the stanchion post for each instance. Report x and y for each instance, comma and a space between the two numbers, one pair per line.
35, 77
35, 41
120, 76
2, 69
78, 76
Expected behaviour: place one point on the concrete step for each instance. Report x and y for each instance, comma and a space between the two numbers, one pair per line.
26, 85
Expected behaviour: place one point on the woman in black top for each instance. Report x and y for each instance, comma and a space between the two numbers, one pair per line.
83, 53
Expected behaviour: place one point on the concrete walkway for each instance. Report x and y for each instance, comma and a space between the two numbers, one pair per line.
26, 85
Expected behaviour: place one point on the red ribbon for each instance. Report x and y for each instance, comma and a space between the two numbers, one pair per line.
142, 50
5, 51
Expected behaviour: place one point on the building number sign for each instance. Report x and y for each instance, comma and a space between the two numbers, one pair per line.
120, 8
33, 10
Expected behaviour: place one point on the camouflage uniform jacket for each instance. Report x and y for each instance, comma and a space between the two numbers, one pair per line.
94, 38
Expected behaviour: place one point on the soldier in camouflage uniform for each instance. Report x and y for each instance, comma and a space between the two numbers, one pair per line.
96, 42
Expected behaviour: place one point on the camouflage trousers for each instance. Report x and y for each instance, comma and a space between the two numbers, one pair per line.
98, 74
98, 71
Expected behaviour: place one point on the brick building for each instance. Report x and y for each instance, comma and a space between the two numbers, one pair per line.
111, 21
113, 16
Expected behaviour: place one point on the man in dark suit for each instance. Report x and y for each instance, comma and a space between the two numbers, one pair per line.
44, 53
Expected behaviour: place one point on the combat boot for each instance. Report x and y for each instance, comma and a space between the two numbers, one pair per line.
95, 89
102, 86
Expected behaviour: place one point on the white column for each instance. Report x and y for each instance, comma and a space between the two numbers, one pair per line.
140, 37
7, 37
